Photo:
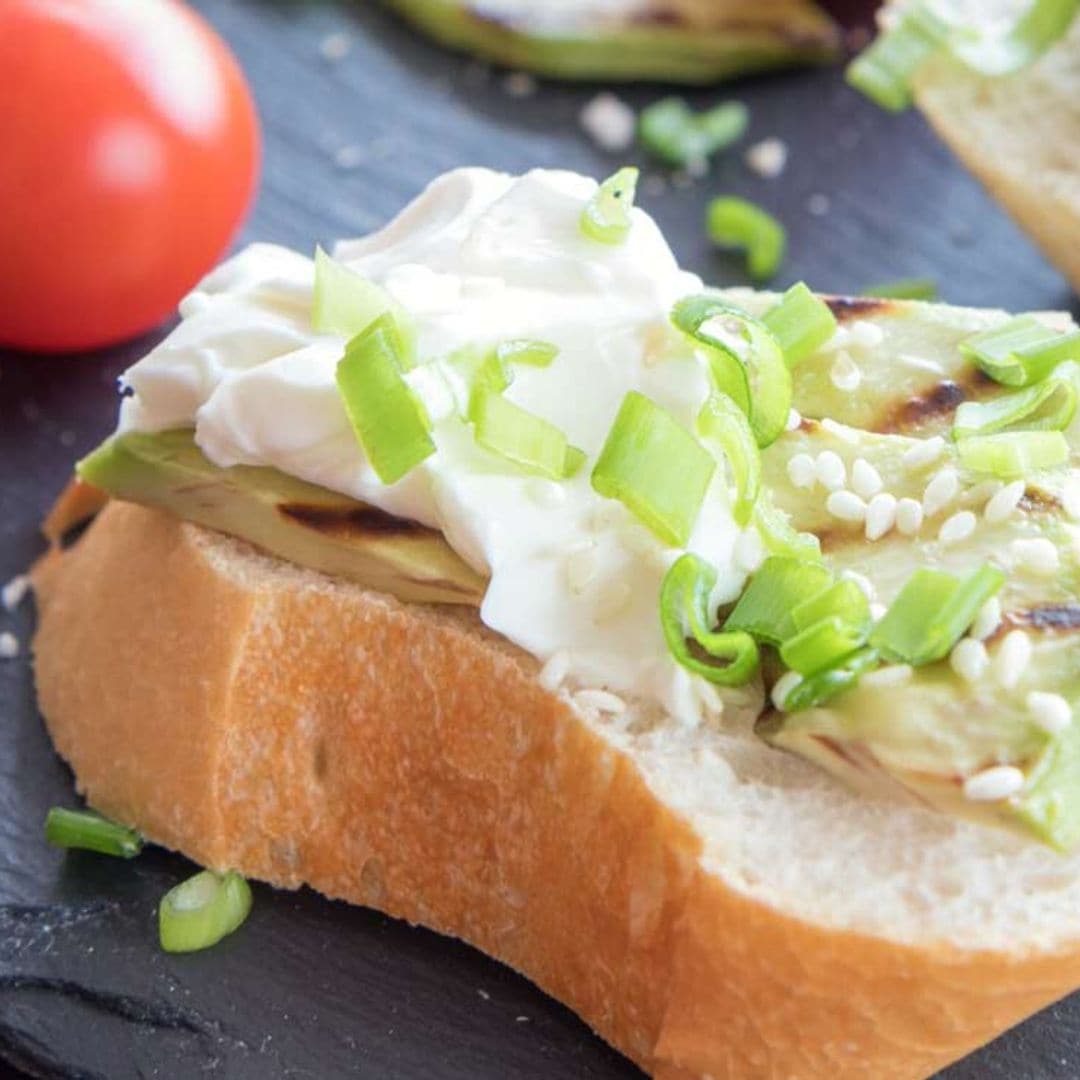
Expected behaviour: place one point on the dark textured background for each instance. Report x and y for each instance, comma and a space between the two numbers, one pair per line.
310, 988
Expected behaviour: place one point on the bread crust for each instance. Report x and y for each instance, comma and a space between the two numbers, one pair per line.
259, 717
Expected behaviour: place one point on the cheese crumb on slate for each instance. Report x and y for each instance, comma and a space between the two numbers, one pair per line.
609, 122
768, 158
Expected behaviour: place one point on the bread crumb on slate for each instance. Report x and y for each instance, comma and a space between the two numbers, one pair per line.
609, 122
9, 646
768, 158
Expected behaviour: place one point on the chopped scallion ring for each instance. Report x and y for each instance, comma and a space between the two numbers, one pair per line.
606, 217
821, 645
655, 468
91, 832
524, 438
482, 371
527, 351
345, 302
779, 536
821, 687
931, 613
723, 657
201, 911
843, 599
801, 322
904, 289
1046, 406
737, 223
671, 131
1042, 25
390, 423
745, 360
722, 422
1013, 454
1022, 351
778, 587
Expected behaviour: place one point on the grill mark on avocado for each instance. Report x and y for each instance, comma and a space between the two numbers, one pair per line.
858, 307
358, 520
937, 402
1038, 501
1047, 619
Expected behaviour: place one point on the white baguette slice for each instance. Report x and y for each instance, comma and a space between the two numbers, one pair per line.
258, 716
1019, 135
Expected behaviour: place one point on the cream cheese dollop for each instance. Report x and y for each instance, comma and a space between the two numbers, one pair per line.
477, 258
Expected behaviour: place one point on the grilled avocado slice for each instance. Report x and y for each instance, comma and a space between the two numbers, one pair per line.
687, 41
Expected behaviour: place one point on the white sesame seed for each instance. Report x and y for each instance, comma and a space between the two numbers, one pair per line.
993, 784
1036, 555
844, 373
554, 671
601, 701
846, 505
546, 492
889, 675
829, 470
865, 479
609, 122
880, 515
768, 158
519, 84
839, 340
864, 583
749, 550
957, 528
9, 646
909, 516
801, 471
11, 596
794, 420
988, 619
942, 489
982, 492
1001, 505
335, 47
923, 453
866, 335
1050, 711
783, 686
1012, 659
581, 566
1070, 498
969, 659
611, 602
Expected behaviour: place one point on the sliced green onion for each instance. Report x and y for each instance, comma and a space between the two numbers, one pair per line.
1013, 454
904, 289
779, 536
482, 371
523, 437
823, 686
821, 645
746, 362
883, 71
390, 423
801, 322
527, 351
1043, 24
91, 832
655, 468
737, 223
1022, 351
931, 613
1046, 406
201, 911
843, 599
671, 131
346, 303
722, 422
779, 585
606, 217
730, 658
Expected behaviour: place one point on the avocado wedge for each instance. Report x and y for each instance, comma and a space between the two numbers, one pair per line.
687, 42
301, 522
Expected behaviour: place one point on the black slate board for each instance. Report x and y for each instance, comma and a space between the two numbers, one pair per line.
311, 988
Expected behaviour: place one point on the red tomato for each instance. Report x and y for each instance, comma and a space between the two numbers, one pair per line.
129, 151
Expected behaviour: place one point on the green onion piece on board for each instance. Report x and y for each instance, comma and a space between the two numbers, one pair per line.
91, 832
801, 322
527, 351
672, 132
779, 585
904, 289
1046, 406
779, 536
821, 645
821, 687
524, 438
390, 423
931, 613
1013, 454
201, 911
721, 422
1020, 352
723, 657
883, 70
655, 468
606, 217
737, 223
745, 360
843, 599
345, 302
1043, 24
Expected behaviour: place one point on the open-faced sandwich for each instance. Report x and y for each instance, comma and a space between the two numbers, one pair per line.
707, 656
690, 41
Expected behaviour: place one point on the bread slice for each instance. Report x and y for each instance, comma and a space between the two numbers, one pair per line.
1019, 135
709, 906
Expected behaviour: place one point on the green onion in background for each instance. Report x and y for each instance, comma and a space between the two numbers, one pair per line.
606, 217
201, 911
88, 831
673, 133
739, 224
914, 288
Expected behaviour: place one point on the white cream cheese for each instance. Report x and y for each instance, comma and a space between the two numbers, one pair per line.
478, 258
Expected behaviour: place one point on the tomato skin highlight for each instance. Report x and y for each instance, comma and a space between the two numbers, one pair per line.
129, 155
